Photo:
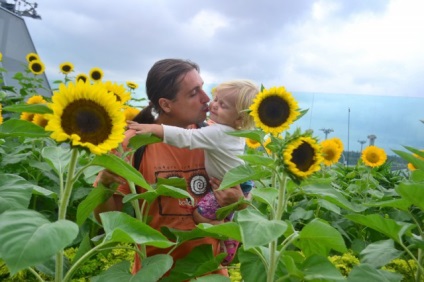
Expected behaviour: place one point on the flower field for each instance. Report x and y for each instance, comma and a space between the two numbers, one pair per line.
309, 218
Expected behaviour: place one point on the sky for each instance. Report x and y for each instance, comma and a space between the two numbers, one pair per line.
333, 55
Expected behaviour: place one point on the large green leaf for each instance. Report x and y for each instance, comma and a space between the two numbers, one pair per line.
242, 174
392, 229
318, 237
15, 192
96, 197
122, 168
324, 191
319, 268
120, 227
28, 238
257, 230
417, 162
198, 262
380, 253
30, 108
57, 157
24, 128
413, 193
139, 140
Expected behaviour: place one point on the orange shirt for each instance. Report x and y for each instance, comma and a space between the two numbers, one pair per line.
164, 161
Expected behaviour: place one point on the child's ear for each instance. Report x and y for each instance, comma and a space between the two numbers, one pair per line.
165, 105
239, 122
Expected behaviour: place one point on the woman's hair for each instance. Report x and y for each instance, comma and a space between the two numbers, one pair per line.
163, 81
245, 91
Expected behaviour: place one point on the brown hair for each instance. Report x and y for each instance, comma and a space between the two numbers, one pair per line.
163, 81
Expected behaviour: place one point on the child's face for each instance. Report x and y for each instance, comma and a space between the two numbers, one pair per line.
223, 110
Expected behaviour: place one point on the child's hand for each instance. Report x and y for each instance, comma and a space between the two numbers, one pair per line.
139, 128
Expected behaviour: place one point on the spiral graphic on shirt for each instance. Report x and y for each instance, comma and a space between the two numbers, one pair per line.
198, 184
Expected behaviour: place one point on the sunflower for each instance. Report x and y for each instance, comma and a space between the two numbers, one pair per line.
253, 144
66, 67
130, 112
373, 156
132, 85
1, 56
96, 74
411, 167
35, 99
36, 67
82, 77
87, 116
331, 151
121, 94
274, 110
32, 57
302, 157
40, 120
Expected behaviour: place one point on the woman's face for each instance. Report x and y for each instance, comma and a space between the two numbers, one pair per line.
191, 102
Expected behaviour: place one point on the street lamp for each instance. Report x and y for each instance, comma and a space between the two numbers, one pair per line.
326, 131
362, 142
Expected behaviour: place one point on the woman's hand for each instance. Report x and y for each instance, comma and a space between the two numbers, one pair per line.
228, 196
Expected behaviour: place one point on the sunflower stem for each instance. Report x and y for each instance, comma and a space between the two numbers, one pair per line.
281, 203
136, 205
63, 206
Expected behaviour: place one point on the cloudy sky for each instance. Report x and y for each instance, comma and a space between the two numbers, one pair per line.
366, 55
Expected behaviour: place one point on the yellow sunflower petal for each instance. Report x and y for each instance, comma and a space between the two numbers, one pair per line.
373, 156
87, 116
274, 110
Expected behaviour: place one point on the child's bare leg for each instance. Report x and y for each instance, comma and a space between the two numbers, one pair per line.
198, 218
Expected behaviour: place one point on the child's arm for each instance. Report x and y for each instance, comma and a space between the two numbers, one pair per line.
143, 128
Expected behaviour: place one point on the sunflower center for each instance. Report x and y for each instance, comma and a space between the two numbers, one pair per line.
329, 154
66, 68
273, 111
88, 120
95, 75
303, 156
373, 158
36, 67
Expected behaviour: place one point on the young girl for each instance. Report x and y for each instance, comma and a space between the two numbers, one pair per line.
221, 149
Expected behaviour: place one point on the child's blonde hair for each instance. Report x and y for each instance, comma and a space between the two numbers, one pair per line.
245, 91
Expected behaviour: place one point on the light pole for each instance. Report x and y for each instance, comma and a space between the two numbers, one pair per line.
362, 142
326, 131
372, 138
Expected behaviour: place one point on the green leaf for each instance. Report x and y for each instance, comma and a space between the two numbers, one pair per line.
401, 204
252, 267
122, 168
417, 162
319, 268
412, 192
380, 253
198, 262
257, 160
96, 197
227, 229
120, 227
15, 192
24, 128
365, 272
139, 140
117, 272
242, 174
257, 230
318, 237
265, 195
256, 135
387, 226
28, 238
30, 108
154, 267
324, 191
57, 157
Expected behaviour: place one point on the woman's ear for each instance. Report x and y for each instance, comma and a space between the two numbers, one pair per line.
165, 105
